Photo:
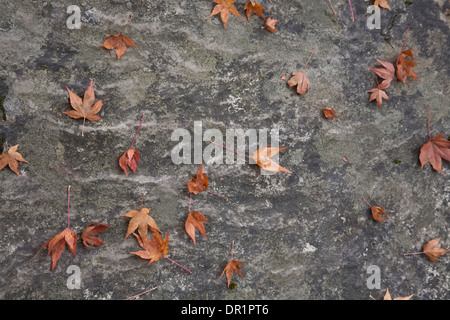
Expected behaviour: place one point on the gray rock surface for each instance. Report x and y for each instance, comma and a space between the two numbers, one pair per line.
307, 235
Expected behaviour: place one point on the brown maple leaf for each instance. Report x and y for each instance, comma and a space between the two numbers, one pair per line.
224, 7
11, 158
254, 7
387, 73
387, 296
300, 80
262, 158
232, 267
194, 221
154, 248
329, 113
434, 150
405, 67
141, 221
378, 95
198, 184
382, 3
269, 25
119, 42
84, 108
89, 235
431, 250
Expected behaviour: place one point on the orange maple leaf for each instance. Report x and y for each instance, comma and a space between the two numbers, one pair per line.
269, 24
130, 159
377, 212
141, 221
224, 7
254, 7
387, 296
119, 42
387, 73
382, 3
300, 79
154, 248
89, 235
198, 184
405, 67
262, 158
232, 267
194, 221
84, 108
11, 158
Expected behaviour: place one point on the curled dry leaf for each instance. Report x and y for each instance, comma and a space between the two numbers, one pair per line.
141, 221
154, 248
254, 7
224, 7
405, 67
57, 244
89, 235
85, 108
300, 80
232, 267
119, 42
377, 213
129, 160
194, 221
329, 113
269, 25
387, 73
262, 158
198, 184
434, 151
11, 158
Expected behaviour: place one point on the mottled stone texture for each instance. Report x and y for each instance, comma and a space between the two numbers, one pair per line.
306, 235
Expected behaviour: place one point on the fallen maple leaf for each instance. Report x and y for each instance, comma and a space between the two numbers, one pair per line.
130, 159
327, 112
57, 244
269, 25
405, 67
224, 7
92, 230
378, 95
141, 221
232, 267
198, 184
194, 221
262, 158
387, 73
382, 3
154, 248
119, 42
431, 250
300, 80
254, 7
387, 296
85, 108
434, 150
377, 212
11, 158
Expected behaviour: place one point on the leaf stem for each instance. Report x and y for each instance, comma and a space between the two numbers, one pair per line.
178, 264
82, 130
331, 5
139, 294
318, 107
366, 201
142, 199
129, 20
308, 59
351, 9
216, 194
232, 247
137, 131
229, 149
406, 254
406, 39
429, 116
68, 207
